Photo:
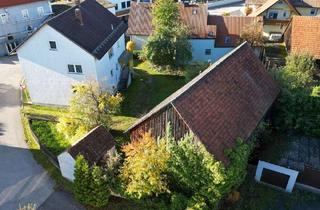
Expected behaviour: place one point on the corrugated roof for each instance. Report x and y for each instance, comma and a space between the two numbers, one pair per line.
305, 34
94, 145
9, 3
224, 102
193, 16
229, 28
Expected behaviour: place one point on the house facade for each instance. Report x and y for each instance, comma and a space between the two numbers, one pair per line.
73, 47
211, 36
276, 15
19, 18
202, 108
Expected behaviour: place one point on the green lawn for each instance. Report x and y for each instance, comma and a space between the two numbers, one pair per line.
149, 88
48, 135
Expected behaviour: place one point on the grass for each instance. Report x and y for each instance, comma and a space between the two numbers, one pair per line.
149, 88
42, 159
257, 196
48, 135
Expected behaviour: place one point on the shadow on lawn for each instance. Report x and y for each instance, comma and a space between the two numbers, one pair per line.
147, 90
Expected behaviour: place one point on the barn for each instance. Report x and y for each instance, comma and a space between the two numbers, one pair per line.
223, 103
93, 147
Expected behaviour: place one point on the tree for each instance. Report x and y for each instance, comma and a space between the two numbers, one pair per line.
82, 180
248, 10
168, 44
100, 188
144, 167
130, 46
89, 107
253, 35
193, 169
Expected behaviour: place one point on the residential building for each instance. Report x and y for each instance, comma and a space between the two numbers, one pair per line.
85, 42
302, 36
276, 15
19, 18
93, 146
211, 36
225, 102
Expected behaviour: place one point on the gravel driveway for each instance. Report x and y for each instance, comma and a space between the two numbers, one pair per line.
22, 180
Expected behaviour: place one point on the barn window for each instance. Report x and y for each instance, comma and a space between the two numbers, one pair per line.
53, 45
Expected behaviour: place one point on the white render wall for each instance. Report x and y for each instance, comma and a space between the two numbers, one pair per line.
67, 164
105, 65
46, 71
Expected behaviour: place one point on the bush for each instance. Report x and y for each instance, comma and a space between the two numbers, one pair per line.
178, 201
48, 135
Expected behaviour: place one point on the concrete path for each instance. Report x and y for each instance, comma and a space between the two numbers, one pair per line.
60, 200
22, 180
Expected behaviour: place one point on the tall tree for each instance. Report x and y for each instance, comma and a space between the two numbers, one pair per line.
100, 188
82, 180
89, 107
144, 167
168, 44
253, 34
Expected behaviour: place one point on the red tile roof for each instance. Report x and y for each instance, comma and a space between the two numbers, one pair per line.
305, 34
231, 26
9, 3
270, 3
193, 16
224, 102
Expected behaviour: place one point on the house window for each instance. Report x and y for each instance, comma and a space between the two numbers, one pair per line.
116, 7
4, 18
128, 3
227, 40
117, 66
79, 69
273, 15
111, 72
40, 11
71, 68
123, 5
110, 53
313, 11
53, 45
118, 44
208, 51
25, 13
74, 68
284, 14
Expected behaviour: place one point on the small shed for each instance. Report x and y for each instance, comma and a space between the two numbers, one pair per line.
92, 146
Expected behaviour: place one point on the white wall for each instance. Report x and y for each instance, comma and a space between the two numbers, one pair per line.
304, 11
139, 41
105, 65
199, 47
67, 164
46, 71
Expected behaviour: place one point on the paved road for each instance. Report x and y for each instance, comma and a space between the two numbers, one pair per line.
22, 180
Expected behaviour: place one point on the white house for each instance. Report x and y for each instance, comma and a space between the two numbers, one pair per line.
211, 36
18, 18
94, 146
83, 43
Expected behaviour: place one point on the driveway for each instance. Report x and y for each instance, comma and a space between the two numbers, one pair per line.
22, 180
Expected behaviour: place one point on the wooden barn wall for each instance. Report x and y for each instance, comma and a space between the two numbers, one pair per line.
157, 124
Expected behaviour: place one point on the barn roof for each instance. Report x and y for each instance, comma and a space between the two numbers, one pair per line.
193, 16
224, 102
305, 33
231, 27
94, 145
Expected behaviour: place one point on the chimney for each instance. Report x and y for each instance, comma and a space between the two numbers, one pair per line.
78, 15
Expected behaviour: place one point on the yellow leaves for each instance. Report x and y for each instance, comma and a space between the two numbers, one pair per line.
144, 167
130, 46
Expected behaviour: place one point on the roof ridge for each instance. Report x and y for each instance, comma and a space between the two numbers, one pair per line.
187, 86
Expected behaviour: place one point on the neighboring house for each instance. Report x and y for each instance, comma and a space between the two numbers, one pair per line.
302, 36
206, 31
276, 15
85, 42
19, 18
94, 146
223, 103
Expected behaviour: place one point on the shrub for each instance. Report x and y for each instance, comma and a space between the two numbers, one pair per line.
100, 188
82, 180
130, 46
178, 201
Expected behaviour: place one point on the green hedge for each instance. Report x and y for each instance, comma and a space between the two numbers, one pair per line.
49, 136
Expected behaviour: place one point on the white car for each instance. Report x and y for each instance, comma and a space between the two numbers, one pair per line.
275, 37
